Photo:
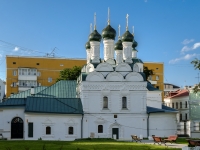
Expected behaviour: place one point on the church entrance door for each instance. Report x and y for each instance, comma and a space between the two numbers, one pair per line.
115, 131
17, 128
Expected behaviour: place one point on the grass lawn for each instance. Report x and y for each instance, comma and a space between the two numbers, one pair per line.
77, 145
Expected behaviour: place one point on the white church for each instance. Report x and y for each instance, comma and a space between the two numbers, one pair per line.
110, 99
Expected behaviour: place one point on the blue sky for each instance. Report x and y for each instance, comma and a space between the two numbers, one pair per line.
166, 30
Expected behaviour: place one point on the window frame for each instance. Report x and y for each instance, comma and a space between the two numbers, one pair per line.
105, 102
71, 130
100, 128
124, 102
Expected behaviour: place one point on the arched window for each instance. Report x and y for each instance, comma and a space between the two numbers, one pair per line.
185, 104
100, 128
70, 130
180, 104
105, 102
124, 102
48, 130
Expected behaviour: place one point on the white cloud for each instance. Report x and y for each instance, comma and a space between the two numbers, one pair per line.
16, 49
187, 41
187, 48
186, 57
196, 45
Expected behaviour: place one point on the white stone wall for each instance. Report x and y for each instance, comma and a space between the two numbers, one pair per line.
6, 115
59, 124
162, 124
154, 99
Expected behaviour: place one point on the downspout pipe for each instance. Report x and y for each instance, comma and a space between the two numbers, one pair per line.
82, 125
148, 125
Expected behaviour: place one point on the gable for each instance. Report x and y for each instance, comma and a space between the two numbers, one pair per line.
114, 76
123, 67
134, 76
104, 67
95, 76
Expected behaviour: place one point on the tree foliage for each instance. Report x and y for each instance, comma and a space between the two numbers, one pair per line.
69, 73
147, 72
196, 63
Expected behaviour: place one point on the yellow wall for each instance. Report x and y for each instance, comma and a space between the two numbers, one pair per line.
158, 69
48, 67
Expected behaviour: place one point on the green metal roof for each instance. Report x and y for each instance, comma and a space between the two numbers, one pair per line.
54, 105
136, 60
26, 93
150, 87
14, 102
61, 89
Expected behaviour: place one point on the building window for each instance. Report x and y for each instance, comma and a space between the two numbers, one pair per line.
37, 63
70, 130
172, 105
185, 104
14, 62
180, 117
176, 105
115, 116
180, 104
38, 74
124, 102
157, 87
157, 77
48, 130
186, 117
100, 128
14, 73
49, 79
13, 84
105, 102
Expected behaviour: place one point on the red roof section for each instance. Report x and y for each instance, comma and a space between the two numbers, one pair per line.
178, 93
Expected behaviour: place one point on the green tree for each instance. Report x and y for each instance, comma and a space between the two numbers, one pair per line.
147, 72
196, 63
69, 73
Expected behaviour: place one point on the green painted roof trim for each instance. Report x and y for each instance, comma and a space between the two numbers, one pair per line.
13, 102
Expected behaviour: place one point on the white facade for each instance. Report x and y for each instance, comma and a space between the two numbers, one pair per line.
2, 89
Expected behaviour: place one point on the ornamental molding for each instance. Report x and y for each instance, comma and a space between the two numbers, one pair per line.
89, 68
130, 86
95, 76
114, 76
123, 67
134, 76
104, 67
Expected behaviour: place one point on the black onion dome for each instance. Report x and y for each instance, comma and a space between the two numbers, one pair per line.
87, 45
134, 45
95, 36
109, 33
127, 37
118, 45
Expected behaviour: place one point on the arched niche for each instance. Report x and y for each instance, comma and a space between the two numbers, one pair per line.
136, 68
114, 76
134, 76
95, 76
104, 67
123, 67
89, 68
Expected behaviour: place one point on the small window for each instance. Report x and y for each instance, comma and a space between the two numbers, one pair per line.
100, 128
172, 105
156, 68
157, 77
49, 79
185, 104
48, 130
186, 116
14, 62
176, 105
37, 63
124, 102
180, 117
157, 87
115, 116
14, 73
180, 104
105, 102
70, 130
